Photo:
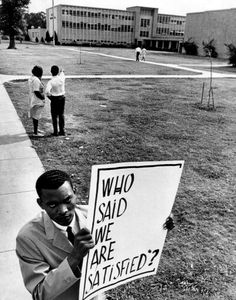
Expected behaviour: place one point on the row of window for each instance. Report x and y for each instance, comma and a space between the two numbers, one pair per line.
169, 19
89, 14
144, 33
145, 22
168, 31
100, 41
96, 41
98, 26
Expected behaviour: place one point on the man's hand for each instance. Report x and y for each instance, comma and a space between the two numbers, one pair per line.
169, 223
82, 244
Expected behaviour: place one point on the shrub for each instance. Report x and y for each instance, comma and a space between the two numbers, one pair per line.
27, 38
42, 40
190, 47
48, 38
56, 38
232, 54
36, 39
210, 49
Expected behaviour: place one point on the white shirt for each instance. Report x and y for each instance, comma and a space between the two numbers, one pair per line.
73, 224
56, 85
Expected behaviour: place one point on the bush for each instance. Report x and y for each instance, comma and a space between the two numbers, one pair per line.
5, 37
232, 54
27, 38
190, 47
56, 39
210, 49
42, 40
48, 38
36, 39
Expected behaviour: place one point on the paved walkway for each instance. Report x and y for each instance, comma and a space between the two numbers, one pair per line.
19, 169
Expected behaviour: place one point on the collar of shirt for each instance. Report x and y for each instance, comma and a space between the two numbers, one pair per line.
73, 224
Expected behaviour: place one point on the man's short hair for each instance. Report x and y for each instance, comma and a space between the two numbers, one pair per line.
54, 70
52, 180
37, 71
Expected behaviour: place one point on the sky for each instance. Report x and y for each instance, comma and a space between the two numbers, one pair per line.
177, 7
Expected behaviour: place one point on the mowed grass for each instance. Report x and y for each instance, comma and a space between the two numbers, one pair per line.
83, 61
157, 119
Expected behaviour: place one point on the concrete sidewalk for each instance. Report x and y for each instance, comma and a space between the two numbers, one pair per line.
19, 168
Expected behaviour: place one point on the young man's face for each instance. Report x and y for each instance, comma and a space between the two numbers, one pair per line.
59, 204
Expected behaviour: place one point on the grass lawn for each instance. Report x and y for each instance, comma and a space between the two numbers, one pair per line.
155, 119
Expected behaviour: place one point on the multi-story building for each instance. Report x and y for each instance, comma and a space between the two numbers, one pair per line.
216, 26
137, 25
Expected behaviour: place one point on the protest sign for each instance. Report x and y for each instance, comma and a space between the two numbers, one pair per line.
128, 205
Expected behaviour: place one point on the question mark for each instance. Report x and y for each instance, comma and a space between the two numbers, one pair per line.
155, 254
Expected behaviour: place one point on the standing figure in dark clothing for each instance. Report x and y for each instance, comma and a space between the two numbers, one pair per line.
55, 91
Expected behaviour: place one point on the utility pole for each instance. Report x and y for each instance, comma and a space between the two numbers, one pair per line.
53, 35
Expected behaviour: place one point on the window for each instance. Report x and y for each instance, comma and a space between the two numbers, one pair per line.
145, 22
144, 33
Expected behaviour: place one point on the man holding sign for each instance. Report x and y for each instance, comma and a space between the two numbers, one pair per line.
52, 246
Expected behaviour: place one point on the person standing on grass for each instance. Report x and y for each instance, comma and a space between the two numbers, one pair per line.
55, 91
143, 54
137, 53
36, 98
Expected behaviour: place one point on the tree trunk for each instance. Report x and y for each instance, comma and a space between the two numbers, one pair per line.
12, 43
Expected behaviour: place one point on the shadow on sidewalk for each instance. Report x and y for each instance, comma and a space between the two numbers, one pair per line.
13, 138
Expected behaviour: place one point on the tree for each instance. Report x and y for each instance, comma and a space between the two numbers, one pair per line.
48, 38
11, 18
27, 37
36, 40
190, 47
56, 38
209, 48
232, 54
35, 19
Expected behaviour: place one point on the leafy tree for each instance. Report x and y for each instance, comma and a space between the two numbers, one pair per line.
190, 47
232, 54
35, 19
209, 48
11, 18
48, 38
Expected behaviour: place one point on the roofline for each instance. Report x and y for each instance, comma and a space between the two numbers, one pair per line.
171, 15
216, 10
121, 10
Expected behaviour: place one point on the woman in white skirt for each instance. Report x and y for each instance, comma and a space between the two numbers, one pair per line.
36, 98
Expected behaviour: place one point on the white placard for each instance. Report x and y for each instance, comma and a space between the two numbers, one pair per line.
128, 205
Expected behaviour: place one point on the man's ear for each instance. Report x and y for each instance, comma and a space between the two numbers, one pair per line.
40, 202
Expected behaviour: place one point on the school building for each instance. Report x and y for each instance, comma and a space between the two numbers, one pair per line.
217, 25
142, 26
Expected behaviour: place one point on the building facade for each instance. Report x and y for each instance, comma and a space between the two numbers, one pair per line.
37, 33
217, 26
134, 26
